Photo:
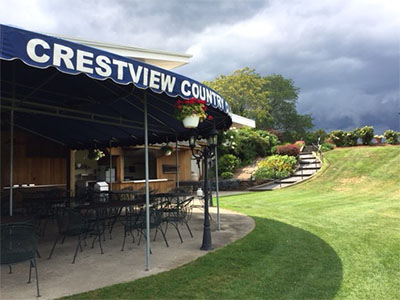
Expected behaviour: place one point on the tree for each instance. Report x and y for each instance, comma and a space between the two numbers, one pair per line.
282, 96
246, 94
270, 100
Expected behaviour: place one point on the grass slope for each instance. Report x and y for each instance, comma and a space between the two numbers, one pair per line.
335, 236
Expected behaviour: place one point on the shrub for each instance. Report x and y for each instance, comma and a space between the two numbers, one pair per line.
291, 150
366, 134
275, 166
351, 137
247, 144
342, 138
277, 133
227, 163
227, 175
274, 149
327, 147
338, 137
312, 137
391, 136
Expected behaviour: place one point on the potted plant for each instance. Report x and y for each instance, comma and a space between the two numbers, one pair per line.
191, 112
95, 154
166, 150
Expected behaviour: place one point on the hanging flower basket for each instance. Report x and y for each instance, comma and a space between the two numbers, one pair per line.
191, 112
166, 150
95, 154
191, 121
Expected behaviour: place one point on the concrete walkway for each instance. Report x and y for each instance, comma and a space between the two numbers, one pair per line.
93, 270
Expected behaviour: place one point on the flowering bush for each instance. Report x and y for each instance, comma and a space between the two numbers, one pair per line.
275, 166
344, 138
291, 150
366, 134
193, 106
391, 136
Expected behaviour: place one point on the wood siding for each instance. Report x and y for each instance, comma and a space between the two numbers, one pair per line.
36, 160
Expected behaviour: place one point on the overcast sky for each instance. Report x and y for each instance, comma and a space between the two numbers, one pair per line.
344, 55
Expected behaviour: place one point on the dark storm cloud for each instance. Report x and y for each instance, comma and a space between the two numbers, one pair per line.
158, 24
343, 55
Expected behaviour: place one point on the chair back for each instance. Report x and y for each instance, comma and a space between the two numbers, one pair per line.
70, 222
18, 243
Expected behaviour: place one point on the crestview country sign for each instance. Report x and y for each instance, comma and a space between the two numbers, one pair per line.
44, 51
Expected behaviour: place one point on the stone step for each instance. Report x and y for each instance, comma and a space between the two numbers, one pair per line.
303, 172
279, 185
309, 161
292, 179
310, 167
306, 156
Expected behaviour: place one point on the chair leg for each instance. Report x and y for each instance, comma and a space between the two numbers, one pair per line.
179, 233
44, 227
132, 235
140, 237
101, 247
77, 247
155, 235
38, 254
94, 240
30, 270
37, 278
166, 228
187, 225
165, 239
123, 243
54, 246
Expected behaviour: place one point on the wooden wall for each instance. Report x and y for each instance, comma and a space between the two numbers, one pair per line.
36, 160
184, 157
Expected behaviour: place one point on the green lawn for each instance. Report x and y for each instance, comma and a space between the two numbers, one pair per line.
336, 236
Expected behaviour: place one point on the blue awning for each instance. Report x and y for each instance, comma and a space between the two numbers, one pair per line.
85, 97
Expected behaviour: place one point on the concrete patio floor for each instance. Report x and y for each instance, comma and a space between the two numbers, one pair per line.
93, 270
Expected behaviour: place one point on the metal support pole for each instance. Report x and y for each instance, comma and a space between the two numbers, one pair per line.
177, 163
146, 154
11, 161
217, 189
207, 243
110, 186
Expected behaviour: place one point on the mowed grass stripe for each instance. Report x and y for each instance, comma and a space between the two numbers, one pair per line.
334, 237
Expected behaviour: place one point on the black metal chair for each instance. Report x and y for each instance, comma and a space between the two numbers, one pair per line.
138, 219
71, 223
177, 213
18, 244
131, 222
